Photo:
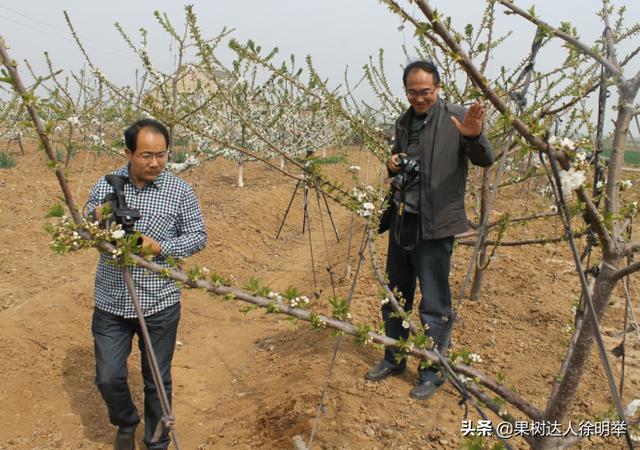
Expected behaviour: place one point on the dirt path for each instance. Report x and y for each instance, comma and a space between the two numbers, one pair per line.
248, 381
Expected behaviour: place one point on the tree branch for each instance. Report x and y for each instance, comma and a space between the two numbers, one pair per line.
628, 270
29, 101
524, 241
613, 69
381, 280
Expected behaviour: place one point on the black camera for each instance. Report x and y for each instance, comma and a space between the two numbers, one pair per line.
409, 170
120, 214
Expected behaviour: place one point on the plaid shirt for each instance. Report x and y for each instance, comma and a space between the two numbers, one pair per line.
171, 216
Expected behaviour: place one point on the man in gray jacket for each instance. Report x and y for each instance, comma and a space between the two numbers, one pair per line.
441, 138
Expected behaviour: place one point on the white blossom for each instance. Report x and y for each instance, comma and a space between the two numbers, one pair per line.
568, 144
117, 234
625, 184
384, 301
571, 179
632, 408
474, 357
405, 324
354, 168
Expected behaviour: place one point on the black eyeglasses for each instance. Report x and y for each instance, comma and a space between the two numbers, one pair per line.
424, 94
147, 157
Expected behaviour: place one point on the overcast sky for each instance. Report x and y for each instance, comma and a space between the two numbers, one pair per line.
336, 33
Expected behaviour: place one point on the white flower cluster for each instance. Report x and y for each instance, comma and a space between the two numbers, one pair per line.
117, 234
569, 328
625, 184
354, 168
191, 161
366, 211
155, 76
565, 142
98, 73
97, 140
601, 184
384, 301
303, 299
571, 179
475, 358
359, 194
546, 192
632, 408
73, 120
581, 157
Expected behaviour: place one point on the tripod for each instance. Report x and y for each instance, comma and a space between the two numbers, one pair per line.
168, 420
304, 182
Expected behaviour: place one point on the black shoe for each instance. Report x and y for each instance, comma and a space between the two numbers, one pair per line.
382, 372
126, 441
424, 390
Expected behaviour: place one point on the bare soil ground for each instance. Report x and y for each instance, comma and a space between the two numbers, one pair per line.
248, 381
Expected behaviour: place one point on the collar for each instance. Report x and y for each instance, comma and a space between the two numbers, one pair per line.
407, 119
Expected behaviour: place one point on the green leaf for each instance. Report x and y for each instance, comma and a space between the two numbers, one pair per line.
56, 210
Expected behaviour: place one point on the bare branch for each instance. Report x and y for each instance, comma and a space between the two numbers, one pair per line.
489, 225
393, 5
628, 270
608, 246
584, 48
630, 56
524, 241
29, 102
381, 280
611, 46
511, 397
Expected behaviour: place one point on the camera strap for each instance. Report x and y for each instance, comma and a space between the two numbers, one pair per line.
400, 222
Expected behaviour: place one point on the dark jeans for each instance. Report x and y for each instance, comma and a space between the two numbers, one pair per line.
430, 262
112, 337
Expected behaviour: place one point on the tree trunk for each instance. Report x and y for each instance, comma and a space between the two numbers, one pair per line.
20, 144
478, 276
240, 179
172, 134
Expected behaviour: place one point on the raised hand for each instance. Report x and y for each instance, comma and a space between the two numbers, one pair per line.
471, 125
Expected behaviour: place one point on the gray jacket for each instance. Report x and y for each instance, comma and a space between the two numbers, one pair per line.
443, 172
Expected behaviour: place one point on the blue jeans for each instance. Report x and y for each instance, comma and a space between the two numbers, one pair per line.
430, 262
112, 337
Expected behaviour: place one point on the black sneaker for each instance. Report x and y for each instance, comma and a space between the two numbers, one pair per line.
382, 372
126, 441
424, 390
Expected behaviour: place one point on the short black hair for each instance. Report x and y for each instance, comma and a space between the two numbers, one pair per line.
131, 133
425, 65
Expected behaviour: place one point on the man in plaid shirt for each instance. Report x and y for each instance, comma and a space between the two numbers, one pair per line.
172, 225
